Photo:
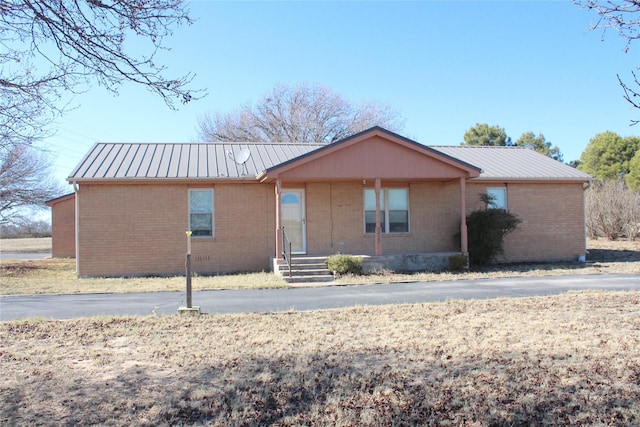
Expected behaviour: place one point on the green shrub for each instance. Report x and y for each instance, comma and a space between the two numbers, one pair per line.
458, 262
486, 231
344, 264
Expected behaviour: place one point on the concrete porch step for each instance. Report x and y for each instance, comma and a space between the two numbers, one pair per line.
307, 266
305, 269
305, 260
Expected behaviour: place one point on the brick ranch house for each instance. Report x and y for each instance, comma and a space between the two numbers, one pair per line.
375, 193
63, 224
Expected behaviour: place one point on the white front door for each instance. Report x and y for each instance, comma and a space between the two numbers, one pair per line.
293, 220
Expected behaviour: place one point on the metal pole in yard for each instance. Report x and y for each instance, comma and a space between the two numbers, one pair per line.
189, 309
188, 266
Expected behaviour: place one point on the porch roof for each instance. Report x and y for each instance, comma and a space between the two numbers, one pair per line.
374, 153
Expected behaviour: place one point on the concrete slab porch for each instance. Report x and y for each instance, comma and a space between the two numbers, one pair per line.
400, 263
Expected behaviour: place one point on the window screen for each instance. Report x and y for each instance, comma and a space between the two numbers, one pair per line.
201, 212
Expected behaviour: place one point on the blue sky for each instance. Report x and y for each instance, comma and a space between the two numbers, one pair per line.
445, 66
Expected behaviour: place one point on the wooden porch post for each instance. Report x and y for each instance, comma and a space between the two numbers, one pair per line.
464, 244
378, 226
278, 220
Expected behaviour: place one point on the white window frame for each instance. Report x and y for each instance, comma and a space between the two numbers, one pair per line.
496, 203
210, 190
384, 210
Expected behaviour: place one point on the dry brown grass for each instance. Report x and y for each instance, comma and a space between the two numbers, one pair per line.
572, 359
57, 275
35, 245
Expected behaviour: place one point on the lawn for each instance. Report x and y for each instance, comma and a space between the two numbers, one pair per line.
34, 245
572, 359
57, 275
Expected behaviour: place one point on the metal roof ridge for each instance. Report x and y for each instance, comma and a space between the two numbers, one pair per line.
479, 146
310, 144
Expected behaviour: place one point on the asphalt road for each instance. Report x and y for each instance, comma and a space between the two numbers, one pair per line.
301, 299
25, 256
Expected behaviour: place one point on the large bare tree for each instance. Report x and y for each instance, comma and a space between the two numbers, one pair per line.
51, 49
300, 113
623, 17
25, 181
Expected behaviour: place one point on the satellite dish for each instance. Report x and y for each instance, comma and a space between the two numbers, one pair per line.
241, 158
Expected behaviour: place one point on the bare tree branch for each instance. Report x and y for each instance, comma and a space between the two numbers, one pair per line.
25, 180
631, 95
613, 210
50, 49
622, 16
53, 49
300, 113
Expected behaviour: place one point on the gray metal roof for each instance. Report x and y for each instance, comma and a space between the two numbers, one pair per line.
183, 160
513, 163
212, 160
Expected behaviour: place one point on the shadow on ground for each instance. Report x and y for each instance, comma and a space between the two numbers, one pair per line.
610, 255
594, 257
333, 389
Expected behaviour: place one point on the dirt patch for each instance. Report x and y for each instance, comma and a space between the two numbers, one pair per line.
563, 360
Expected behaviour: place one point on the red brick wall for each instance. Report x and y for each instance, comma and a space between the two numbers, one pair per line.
140, 229
552, 217
335, 219
63, 226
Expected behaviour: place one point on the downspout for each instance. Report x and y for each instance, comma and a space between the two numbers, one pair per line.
76, 190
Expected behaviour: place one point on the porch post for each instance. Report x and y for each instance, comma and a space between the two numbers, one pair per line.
464, 245
278, 220
378, 226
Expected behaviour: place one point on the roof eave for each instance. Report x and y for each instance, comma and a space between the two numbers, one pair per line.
532, 179
59, 199
137, 180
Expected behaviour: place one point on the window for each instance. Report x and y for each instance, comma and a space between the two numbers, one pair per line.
201, 213
394, 210
499, 196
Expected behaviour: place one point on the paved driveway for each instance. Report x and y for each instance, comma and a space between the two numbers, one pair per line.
270, 300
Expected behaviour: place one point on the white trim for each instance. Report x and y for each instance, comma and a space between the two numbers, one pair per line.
303, 215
